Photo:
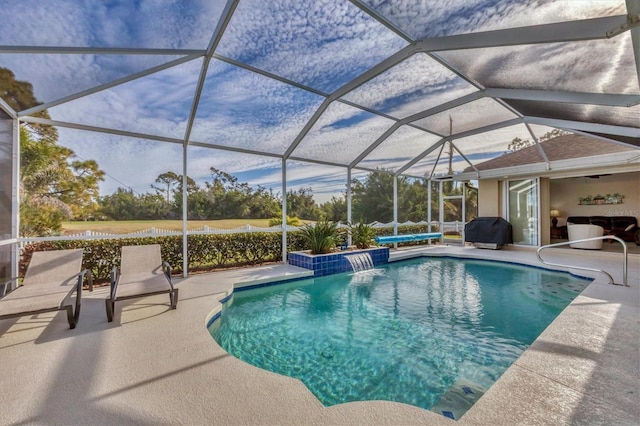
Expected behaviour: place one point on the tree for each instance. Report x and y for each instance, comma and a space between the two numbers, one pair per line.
19, 95
518, 143
300, 203
169, 180
335, 210
53, 185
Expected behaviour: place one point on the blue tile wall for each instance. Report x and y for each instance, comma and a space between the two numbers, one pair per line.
334, 263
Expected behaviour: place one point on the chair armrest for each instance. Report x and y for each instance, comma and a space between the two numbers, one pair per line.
3, 290
115, 277
166, 268
80, 282
89, 276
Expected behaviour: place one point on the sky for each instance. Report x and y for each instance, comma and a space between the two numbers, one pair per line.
318, 44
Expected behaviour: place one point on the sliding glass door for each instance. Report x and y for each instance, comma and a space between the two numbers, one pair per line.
523, 209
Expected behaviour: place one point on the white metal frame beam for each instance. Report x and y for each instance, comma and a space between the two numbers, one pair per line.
230, 7
586, 29
378, 69
7, 109
584, 126
633, 11
106, 86
564, 97
63, 50
432, 111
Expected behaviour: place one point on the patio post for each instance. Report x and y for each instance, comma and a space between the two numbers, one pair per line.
429, 206
349, 203
15, 201
185, 259
395, 208
284, 210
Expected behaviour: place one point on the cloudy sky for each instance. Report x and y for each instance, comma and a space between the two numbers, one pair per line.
318, 44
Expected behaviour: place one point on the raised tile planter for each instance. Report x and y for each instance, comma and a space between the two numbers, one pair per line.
334, 263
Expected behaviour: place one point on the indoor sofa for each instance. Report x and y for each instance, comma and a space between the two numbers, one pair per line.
624, 227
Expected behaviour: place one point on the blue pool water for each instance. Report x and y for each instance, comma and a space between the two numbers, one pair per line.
432, 332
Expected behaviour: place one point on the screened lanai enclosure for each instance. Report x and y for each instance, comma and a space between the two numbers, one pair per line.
288, 94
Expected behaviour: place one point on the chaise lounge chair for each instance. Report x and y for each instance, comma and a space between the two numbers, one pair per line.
142, 273
51, 279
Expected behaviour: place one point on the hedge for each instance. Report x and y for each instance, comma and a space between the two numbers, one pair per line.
207, 252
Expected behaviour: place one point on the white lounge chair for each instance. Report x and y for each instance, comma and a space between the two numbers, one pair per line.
584, 231
49, 284
142, 273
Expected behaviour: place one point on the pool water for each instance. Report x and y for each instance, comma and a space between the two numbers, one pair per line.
431, 332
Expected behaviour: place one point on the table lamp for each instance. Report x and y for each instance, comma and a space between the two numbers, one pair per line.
554, 217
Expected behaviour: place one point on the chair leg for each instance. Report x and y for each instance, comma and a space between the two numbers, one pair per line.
173, 297
70, 317
110, 304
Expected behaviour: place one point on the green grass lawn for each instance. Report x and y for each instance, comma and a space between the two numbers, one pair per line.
127, 226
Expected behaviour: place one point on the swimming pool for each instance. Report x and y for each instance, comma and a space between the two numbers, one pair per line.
431, 332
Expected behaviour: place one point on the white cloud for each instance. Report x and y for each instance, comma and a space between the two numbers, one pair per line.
341, 134
145, 23
320, 43
157, 104
414, 85
128, 162
439, 18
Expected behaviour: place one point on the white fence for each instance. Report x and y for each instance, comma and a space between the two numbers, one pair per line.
204, 230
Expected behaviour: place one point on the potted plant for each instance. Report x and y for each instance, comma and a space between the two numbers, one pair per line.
617, 198
599, 199
361, 235
321, 237
588, 199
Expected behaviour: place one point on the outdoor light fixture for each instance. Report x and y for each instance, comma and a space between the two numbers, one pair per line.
554, 217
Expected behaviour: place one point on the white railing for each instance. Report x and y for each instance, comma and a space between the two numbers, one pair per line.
625, 258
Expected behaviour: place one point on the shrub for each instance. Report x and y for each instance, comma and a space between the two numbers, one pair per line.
361, 235
320, 237
291, 221
206, 252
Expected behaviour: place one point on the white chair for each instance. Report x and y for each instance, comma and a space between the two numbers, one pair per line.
581, 232
142, 273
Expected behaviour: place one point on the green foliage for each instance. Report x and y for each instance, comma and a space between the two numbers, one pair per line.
518, 143
335, 209
41, 219
124, 204
53, 186
206, 252
19, 95
373, 198
300, 203
320, 237
291, 221
361, 235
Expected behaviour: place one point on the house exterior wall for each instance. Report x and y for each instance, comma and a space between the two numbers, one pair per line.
545, 211
489, 198
564, 194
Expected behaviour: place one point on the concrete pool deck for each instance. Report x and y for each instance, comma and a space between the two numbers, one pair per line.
153, 365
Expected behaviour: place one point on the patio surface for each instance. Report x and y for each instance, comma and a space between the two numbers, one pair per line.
153, 365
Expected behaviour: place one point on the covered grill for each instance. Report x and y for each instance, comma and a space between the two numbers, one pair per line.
488, 232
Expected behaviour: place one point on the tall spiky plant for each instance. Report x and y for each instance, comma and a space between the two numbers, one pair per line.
320, 237
361, 234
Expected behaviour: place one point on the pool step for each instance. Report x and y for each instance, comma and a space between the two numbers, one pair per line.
458, 399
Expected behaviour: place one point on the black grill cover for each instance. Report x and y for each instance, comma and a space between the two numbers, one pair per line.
488, 230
